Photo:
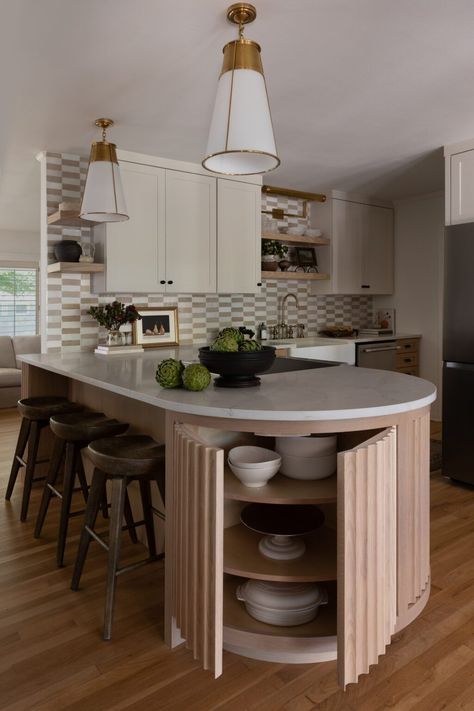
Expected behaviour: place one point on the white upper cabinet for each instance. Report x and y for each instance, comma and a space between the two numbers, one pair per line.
178, 238
238, 237
359, 258
459, 175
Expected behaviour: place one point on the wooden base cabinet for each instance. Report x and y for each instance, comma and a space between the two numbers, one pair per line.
373, 589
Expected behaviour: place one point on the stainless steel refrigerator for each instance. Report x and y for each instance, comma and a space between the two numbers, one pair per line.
458, 354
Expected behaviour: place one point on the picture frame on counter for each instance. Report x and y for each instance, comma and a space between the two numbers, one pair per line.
157, 328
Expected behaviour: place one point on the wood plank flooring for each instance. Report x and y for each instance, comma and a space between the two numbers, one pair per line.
52, 656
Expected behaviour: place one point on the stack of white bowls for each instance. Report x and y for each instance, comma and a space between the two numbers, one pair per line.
254, 466
307, 457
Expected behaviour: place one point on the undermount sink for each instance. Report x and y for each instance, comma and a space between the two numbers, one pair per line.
286, 365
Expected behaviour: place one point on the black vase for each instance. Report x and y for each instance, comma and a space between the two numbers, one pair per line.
68, 250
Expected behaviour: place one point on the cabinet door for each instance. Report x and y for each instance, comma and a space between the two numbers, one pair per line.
238, 237
190, 233
462, 187
367, 554
197, 561
347, 247
377, 250
134, 250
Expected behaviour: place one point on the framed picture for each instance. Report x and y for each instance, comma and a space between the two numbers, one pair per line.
157, 327
306, 257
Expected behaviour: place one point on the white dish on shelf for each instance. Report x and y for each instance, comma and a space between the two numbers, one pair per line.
296, 230
253, 466
308, 468
313, 233
306, 446
282, 604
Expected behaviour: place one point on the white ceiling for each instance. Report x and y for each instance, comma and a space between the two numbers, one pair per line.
363, 92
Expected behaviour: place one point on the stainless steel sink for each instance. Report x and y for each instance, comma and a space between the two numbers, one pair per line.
286, 365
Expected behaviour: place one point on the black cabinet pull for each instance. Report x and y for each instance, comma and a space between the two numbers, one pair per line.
259, 283
365, 286
170, 282
162, 281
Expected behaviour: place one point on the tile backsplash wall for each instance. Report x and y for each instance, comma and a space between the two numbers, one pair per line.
68, 296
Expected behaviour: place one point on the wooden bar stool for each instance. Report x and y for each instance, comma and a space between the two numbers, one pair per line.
120, 460
73, 432
35, 413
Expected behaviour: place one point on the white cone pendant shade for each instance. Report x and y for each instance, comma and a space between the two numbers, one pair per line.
241, 140
103, 199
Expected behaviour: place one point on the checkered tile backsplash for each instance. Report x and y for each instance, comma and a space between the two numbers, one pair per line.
200, 315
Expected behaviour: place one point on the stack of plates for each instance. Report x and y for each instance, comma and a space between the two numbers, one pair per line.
307, 457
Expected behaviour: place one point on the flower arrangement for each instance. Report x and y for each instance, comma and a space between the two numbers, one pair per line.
112, 316
274, 248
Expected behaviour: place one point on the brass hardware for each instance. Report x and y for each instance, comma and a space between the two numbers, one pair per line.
241, 13
242, 54
103, 150
221, 153
278, 214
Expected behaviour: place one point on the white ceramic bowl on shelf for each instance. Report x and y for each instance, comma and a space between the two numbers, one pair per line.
296, 230
313, 233
253, 466
282, 604
308, 468
306, 446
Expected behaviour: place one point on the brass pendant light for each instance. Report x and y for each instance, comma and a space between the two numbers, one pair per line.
241, 140
103, 199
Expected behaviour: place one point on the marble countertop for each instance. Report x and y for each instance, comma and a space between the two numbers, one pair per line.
343, 392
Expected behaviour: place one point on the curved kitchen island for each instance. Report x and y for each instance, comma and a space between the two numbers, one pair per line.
373, 552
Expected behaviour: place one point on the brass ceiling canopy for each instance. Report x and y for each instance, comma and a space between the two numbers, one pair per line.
241, 13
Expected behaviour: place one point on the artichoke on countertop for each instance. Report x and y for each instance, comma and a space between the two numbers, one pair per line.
250, 346
169, 373
225, 343
196, 377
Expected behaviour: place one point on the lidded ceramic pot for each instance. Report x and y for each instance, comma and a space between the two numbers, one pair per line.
67, 250
283, 604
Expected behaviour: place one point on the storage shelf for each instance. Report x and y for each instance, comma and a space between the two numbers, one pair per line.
242, 557
295, 275
282, 490
68, 218
296, 239
75, 267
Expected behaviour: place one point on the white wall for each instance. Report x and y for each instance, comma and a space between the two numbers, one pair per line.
418, 296
19, 246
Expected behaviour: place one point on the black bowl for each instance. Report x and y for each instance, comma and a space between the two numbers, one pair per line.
238, 368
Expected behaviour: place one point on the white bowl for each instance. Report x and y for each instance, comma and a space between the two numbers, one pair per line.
308, 467
296, 230
306, 446
254, 477
284, 604
252, 456
253, 466
313, 233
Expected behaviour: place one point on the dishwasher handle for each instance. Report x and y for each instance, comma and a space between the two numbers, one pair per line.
379, 350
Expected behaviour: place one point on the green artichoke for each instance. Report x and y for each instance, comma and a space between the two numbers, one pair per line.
169, 373
196, 377
250, 346
225, 343
233, 332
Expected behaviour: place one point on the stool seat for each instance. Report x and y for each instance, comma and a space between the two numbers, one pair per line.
42, 408
85, 426
130, 456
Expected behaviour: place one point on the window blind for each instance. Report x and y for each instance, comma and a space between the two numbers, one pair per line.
18, 301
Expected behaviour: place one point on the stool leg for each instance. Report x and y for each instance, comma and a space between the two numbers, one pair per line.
68, 486
81, 475
145, 491
33, 442
129, 519
92, 509
119, 487
19, 451
54, 466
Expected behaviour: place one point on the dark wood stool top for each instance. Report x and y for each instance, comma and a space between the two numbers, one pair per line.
42, 408
85, 426
130, 456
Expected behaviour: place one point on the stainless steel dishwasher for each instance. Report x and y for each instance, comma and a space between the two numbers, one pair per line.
377, 354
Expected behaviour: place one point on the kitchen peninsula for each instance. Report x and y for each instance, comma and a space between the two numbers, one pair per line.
375, 554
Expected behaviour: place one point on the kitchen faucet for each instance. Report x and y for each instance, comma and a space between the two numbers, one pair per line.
286, 331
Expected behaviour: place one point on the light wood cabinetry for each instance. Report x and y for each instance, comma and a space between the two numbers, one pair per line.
459, 183
188, 232
408, 356
359, 259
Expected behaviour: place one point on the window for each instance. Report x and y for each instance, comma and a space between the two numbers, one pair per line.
18, 301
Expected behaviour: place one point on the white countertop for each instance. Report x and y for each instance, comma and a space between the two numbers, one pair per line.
342, 392
312, 341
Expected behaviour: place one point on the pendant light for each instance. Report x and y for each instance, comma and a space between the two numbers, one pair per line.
241, 140
103, 199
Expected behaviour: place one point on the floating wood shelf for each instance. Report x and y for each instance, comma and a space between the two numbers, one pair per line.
242, 557
75, 267
296, 239
282, 490
308, 276
68, 218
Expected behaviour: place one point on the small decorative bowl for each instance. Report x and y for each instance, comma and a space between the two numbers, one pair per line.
296, 230
313, 233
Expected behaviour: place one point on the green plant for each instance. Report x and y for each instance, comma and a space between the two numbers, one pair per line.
114, 315
274, 247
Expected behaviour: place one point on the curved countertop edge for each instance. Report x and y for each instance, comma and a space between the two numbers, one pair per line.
238, 413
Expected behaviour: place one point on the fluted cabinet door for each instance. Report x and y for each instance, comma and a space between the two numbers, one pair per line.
367, 553
198, 554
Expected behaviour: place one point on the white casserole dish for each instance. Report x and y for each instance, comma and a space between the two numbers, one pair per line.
282, 604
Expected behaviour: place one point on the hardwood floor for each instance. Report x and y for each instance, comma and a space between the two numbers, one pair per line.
52, 655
